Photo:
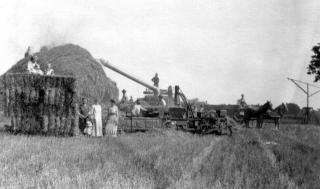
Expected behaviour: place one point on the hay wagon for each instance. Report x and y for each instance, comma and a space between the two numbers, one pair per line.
39, 104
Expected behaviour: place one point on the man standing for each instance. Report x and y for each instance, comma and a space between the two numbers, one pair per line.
242, 105
155, 80
124, 96
241, 102
83, 114
97, 113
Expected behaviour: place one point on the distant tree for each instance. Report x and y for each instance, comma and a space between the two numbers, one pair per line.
314, 66
293, 109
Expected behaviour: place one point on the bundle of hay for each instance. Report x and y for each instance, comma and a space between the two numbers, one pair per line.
41, 104
72, 60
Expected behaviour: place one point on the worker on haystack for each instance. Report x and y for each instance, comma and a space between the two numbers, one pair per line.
50, 70
155, 80
38, 70
113, 119
33, 67
136, 111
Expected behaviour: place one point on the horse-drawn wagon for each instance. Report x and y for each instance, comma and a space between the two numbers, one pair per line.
261, 113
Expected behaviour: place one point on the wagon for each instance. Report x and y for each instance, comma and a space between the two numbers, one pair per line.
201, 123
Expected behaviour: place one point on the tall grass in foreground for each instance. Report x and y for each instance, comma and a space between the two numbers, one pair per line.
296, 155
132, 161
161, 159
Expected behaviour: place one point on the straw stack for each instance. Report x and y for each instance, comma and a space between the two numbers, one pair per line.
41, 104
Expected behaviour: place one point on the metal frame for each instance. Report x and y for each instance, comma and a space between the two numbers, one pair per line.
307, 92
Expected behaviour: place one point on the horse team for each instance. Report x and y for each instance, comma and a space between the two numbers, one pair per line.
264, 112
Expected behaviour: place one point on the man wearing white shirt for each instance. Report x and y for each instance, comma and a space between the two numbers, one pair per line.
136, 111
33, 67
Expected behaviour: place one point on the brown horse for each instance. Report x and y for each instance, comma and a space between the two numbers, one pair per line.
277, 114
258, 114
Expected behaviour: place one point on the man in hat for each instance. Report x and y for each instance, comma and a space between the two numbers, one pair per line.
124, 97
242, 102
242, 105
155, 80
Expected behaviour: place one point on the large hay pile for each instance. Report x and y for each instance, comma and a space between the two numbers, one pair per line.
72, 60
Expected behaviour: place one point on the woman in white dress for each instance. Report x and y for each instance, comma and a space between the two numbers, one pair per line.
96, 110
113, 120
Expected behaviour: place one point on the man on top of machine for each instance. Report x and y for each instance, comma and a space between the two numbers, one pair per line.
155, 80
242, 105
124, 96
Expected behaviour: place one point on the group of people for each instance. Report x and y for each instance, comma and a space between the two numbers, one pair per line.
33, 67
90, 119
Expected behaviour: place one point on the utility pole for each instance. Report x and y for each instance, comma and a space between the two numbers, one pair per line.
306, 91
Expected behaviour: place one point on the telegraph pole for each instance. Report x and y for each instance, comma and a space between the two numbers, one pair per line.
306, 91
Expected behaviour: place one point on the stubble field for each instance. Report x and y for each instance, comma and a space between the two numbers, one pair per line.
251, 158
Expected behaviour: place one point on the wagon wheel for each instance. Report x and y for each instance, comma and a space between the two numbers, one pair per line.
229, 129
167, 124
170, 125
179, 127
224, 126
203, 129
219, 131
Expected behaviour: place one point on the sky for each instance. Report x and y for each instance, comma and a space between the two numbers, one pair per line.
213, 49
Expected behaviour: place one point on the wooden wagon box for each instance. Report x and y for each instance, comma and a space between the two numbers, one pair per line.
130, 124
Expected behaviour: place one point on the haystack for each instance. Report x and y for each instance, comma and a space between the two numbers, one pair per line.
73, 60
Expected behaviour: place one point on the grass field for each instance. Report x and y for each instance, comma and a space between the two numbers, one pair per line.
251, 158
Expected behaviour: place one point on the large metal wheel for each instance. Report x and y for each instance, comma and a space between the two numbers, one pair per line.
204, 129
